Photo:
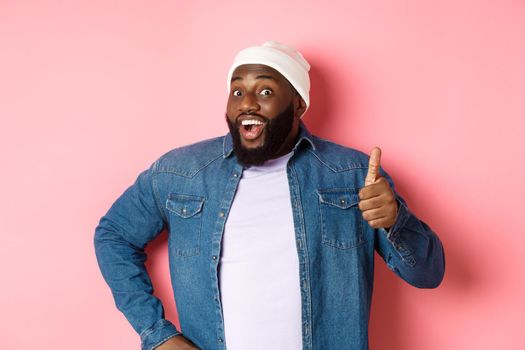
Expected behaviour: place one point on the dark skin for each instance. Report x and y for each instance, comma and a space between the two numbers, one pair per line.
260, 90
377, 200
177, 343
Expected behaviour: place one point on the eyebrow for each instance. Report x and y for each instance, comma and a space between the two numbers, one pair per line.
262, 76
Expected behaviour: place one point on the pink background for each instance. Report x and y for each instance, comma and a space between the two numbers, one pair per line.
92, 92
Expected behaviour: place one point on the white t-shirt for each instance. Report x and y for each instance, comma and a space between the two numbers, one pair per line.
259, 266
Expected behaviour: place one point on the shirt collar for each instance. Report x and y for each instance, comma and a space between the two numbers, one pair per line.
304, 136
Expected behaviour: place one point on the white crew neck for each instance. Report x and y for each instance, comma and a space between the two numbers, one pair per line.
270, 166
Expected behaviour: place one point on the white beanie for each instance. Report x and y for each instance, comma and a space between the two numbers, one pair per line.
284, 59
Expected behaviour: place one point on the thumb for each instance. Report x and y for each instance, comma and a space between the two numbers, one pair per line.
373, 166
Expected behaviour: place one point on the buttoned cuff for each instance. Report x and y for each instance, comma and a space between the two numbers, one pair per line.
393, 234
157, 334
402, 216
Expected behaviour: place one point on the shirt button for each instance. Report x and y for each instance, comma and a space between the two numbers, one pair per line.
220, 340
214, 257
235, 175
343, 201
221, 214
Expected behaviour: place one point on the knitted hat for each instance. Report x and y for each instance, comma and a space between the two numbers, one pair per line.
284, 59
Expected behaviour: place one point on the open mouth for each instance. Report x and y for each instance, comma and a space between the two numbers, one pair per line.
251, 129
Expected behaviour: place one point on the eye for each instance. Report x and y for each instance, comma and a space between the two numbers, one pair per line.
266, 92
236, 93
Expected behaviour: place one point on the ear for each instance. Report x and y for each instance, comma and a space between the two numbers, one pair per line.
299, 105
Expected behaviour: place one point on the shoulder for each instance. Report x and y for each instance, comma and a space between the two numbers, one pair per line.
338, 157
188, 160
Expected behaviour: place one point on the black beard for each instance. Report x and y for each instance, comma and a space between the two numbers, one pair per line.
277, 130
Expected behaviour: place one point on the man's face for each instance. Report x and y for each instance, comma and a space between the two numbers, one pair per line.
262, 113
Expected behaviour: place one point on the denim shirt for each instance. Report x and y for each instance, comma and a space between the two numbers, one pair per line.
190, 190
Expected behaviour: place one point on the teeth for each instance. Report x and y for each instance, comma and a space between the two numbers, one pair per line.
251, 122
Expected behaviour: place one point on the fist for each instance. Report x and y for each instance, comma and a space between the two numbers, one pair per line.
377, 201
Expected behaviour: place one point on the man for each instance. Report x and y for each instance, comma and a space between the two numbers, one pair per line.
272, 231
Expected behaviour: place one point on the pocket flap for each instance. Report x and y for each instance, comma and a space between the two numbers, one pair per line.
343, 198
184, 205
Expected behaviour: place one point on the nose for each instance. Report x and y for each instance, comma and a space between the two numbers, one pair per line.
248, 104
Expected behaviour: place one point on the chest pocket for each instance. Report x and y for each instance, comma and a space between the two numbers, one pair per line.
341, 219
185, 223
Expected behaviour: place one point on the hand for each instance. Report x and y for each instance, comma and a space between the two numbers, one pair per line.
177, 342
377, 201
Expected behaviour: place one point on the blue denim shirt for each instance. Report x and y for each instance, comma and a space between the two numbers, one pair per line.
190, 190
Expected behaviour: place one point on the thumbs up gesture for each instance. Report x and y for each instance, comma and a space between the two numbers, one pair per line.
377, 201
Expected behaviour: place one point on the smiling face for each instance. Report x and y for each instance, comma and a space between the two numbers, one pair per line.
262, 113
